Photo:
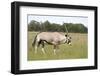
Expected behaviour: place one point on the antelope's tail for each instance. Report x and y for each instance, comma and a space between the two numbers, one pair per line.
34, 41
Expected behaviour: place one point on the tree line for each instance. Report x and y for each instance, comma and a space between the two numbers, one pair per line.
47, 26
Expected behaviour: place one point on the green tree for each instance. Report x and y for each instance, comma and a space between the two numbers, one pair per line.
47, 26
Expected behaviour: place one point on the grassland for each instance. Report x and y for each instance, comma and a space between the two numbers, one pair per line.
78, 50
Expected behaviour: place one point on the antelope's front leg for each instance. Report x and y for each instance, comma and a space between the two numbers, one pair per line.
55, 49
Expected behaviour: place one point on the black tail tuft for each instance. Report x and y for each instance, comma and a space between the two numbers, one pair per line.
33, 43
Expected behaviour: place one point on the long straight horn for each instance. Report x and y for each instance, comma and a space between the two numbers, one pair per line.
66, 29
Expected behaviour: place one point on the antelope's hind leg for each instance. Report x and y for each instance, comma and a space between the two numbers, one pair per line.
35, 49
42, 43
36, 46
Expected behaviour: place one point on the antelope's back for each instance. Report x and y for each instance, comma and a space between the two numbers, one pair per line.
51, 35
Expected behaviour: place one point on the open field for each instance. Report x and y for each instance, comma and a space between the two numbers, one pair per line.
78, 50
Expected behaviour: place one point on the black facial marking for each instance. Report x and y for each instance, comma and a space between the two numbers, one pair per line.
69, 41
66, 35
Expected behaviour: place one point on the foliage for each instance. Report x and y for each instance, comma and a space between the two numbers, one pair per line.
47, 26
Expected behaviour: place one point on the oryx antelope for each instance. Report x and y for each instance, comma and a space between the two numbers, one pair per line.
53, 38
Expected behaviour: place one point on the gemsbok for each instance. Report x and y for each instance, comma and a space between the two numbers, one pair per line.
53, 38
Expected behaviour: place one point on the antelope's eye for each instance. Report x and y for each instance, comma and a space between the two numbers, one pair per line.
66, 35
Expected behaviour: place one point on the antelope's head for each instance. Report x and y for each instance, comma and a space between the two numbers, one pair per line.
68, 38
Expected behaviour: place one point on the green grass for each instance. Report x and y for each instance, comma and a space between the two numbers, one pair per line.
78, 50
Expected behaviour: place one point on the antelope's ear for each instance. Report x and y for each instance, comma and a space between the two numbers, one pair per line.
66, 35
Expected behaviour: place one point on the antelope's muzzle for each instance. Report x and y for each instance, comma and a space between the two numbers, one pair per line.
69, 42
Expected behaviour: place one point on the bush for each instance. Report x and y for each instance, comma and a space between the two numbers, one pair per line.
47, 26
